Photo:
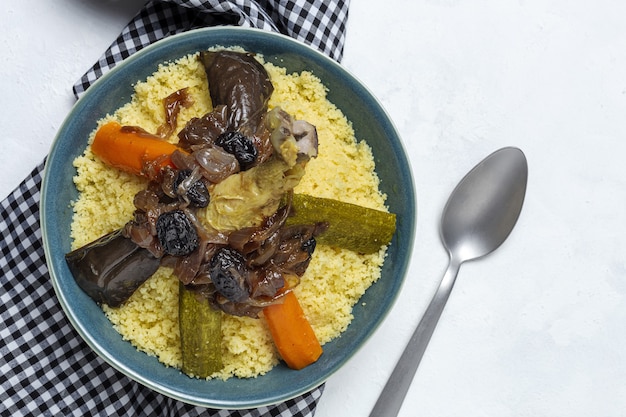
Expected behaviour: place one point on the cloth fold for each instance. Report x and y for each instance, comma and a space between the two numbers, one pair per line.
46, 368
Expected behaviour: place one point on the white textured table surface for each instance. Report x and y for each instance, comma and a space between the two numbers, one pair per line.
536, 329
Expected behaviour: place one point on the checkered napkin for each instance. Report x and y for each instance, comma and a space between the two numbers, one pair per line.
319, 23
46, 369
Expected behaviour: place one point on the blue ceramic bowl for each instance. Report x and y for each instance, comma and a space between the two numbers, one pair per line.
371, 124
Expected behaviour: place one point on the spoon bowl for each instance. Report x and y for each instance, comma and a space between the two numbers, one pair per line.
484, 206
478, 217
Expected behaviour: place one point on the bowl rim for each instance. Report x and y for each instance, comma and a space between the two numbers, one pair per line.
48, 250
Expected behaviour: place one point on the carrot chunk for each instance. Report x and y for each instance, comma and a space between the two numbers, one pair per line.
130, 150
292, 333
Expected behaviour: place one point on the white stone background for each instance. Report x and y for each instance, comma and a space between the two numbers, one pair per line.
536, 329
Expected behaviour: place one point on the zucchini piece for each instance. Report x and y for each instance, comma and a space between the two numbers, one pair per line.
200, 335
351, 226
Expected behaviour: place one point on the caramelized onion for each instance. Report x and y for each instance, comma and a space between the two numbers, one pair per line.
202, 131
250, 238
172, 105
216, 163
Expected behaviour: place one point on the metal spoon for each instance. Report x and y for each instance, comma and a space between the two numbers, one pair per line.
478, 217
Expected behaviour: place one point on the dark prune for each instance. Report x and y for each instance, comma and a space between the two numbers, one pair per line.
229, 274
240, 146
197, 193
176, 234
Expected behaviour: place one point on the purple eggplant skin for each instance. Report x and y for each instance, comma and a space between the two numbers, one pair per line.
111, 268
238, 81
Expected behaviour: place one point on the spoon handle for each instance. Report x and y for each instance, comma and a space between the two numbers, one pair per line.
392, 396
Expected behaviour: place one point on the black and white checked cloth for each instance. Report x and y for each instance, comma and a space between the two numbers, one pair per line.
46, 369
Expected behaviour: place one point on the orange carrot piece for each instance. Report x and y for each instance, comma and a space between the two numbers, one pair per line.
130, 150
292, 333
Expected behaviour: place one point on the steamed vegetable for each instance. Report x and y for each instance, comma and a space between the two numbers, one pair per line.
292, 333
350, 226
239, 82
111, 268
131, 150
200, 334
245, 198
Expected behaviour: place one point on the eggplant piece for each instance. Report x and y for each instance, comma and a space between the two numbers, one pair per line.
240, 82
111, 268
